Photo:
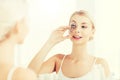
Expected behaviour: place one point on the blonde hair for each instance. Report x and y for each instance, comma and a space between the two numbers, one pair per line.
10, 12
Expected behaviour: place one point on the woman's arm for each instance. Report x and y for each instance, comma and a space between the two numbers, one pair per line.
56, 37
35, 64
105, 66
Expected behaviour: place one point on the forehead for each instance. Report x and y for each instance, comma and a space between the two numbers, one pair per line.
80, 19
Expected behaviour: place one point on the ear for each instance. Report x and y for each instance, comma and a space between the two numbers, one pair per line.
16, 31
92, 34
93, 31
21, 30
17, 28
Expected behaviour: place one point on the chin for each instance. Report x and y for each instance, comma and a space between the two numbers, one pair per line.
77, 43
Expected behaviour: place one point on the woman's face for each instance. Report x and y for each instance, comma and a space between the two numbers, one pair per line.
81, 29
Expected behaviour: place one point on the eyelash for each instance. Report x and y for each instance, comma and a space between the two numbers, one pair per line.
84, 26
73, 26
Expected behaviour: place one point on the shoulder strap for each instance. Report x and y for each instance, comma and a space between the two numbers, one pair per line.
62, 62
95, 59
10, 74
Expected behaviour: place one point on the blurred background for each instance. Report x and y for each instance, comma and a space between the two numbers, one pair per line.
46, 15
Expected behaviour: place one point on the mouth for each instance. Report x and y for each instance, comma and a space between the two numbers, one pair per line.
76, 37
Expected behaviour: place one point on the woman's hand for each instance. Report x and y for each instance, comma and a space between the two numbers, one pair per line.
57, 35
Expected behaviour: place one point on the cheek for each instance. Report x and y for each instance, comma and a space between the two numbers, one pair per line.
71, 31
87, 33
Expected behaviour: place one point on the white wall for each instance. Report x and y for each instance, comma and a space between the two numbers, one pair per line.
107, 39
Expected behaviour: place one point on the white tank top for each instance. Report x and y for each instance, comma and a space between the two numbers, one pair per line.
10, 74
96, 73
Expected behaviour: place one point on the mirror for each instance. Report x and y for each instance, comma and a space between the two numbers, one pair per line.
46, 15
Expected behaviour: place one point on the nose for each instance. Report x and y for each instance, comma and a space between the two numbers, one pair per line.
77, 31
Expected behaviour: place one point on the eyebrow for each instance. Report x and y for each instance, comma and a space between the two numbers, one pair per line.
83, 23
73, 21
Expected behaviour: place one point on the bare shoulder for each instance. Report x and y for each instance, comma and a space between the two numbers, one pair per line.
56, 57
59, 56
104, 64
101, 61
24, 74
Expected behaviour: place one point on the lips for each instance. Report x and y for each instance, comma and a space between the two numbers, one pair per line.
77, 37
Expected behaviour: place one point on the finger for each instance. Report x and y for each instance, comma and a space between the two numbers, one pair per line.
69, 27
63, 28
67, 37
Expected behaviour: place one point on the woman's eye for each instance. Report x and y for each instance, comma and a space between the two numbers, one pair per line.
73, 26
83, 26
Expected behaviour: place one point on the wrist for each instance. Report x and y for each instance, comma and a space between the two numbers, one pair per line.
50, 43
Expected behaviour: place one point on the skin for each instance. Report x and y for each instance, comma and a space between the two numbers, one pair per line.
15, 36
79, 60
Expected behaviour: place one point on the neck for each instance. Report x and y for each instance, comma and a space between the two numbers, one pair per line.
79, 51
7, 52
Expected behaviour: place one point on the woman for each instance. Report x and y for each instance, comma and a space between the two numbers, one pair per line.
13, 30
79, 64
